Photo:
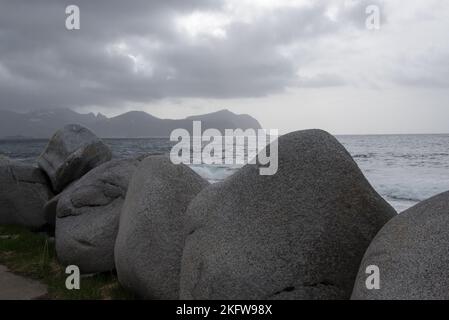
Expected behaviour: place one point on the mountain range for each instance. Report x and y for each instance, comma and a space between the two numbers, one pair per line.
133, 124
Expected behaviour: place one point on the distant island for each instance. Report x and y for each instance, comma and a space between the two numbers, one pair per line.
134, 124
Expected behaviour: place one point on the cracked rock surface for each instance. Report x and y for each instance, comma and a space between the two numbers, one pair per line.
87, 216
23, 193
298, 234
70, 153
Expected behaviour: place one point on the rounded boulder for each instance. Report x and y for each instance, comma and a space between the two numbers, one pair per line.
411, 255
87, 216
150, 239
24, 190
297, 234
72, 152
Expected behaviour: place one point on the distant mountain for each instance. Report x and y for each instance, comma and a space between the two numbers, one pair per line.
134, 124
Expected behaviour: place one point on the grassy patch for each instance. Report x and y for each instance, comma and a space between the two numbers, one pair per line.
33, 255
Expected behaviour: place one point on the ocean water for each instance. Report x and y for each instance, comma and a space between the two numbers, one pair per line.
404, 169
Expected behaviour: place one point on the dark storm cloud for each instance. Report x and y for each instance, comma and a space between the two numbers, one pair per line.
133, 51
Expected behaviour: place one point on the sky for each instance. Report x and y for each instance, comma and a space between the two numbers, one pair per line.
291, 64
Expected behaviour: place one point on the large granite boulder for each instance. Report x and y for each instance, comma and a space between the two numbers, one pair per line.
412, 254
298, 234
23, 193
150, 240
87, 216
71, 153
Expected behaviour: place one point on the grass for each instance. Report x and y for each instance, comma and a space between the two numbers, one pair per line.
32, 255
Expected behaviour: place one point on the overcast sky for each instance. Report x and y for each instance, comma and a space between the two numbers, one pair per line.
291, 64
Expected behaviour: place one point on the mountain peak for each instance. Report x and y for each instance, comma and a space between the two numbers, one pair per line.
101, 116
136, 115
132, 124
225, 111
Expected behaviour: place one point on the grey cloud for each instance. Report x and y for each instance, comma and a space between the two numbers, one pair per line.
355, 12
427, 69
321, 80
43, 65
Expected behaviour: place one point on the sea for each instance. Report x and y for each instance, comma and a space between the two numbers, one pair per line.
404, 169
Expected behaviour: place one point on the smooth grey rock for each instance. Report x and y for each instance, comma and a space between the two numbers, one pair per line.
72, 152
412, 253
23, 193
87, 216
150, 240
298, 234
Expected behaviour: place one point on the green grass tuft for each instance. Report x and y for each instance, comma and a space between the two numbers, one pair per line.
32, 255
